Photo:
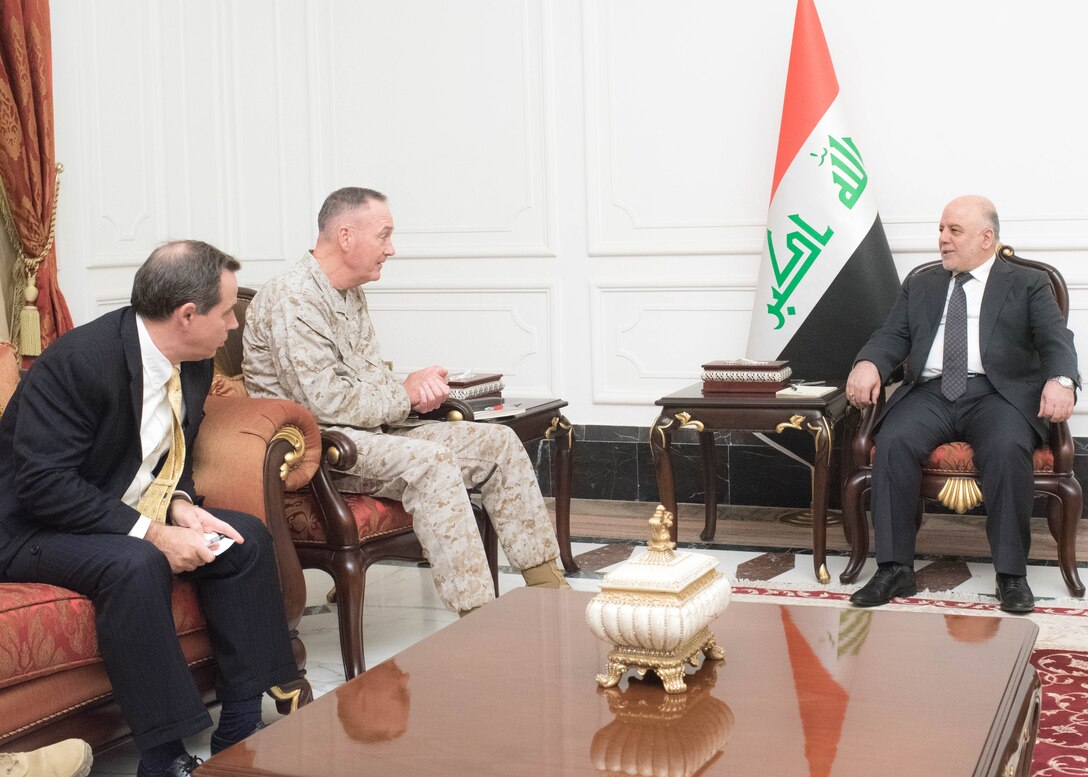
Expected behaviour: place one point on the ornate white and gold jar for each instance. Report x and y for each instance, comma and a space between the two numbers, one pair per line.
656, 610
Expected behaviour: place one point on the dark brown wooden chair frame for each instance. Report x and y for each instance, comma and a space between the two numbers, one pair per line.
346, 556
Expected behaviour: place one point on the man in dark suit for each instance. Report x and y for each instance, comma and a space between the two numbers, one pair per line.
97, 495
990, 361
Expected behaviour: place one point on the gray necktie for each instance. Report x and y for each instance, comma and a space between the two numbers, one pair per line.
954, 375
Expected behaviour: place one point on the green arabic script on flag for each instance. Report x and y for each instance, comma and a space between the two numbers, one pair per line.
854, 178
804, 246
845, 157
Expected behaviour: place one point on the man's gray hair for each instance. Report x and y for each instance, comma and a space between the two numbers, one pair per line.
995, 223
342, 201
179, 272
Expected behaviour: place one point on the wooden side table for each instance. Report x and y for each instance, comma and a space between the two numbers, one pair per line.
542, 419
689, 409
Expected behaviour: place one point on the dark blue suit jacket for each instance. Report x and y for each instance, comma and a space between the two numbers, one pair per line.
70, 437
1022, 335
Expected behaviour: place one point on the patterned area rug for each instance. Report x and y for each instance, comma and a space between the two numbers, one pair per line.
1060, 657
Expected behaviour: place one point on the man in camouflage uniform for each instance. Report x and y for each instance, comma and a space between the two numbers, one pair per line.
309, 338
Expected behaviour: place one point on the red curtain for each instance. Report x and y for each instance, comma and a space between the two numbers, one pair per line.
28, 168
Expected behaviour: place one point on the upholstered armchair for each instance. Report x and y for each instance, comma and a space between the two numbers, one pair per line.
949, 474
342, 533
52, 682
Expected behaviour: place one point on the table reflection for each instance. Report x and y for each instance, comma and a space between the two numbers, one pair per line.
377, 710
659, 734
972, 628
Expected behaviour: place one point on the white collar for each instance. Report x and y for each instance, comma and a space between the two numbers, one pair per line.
982, 272
156, 367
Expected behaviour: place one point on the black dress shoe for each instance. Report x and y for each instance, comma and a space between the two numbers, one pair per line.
888, 582
1014, 593
182, 766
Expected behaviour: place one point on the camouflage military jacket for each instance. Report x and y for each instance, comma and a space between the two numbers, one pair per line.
307, 342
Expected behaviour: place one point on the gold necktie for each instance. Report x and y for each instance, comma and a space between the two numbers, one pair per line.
156, 499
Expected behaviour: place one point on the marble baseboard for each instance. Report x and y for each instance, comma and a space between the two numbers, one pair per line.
614, 462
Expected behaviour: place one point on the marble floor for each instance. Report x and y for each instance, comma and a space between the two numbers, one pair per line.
402, 606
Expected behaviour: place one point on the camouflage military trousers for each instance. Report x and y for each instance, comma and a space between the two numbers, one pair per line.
428, 468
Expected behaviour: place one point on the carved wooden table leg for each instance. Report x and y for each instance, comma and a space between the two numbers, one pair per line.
561, 434
823, 432
661, 449
710, 484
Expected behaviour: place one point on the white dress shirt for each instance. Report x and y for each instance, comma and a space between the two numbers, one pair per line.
156, 422
974, 290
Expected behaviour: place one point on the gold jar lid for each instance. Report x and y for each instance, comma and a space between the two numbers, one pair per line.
661, 567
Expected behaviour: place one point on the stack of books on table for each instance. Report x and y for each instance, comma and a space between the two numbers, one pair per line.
471, 385
745, 376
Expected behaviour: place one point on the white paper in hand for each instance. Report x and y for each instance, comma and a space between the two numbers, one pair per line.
216, 542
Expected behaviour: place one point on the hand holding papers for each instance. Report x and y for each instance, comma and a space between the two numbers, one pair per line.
217, 542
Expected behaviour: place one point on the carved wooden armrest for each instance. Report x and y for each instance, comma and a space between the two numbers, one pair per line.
1061, 445
338, 451
451, 410
339, 455
864, 439
863, 442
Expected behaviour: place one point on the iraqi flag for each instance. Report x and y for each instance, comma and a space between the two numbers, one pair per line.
827, 279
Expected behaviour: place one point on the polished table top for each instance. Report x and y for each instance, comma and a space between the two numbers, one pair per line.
693, 397
804, 690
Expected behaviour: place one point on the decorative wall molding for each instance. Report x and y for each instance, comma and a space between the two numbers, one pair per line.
649, 340
1028, 233
231, 120
617, 226
125, 185
510, 330
513, 153
106, 302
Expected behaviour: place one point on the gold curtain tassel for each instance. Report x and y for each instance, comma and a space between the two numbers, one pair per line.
30, 325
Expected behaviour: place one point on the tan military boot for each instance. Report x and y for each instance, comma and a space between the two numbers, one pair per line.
546, 575
70, 758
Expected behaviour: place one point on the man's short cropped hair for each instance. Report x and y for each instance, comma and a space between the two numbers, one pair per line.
995, 223
179, 272
343, 200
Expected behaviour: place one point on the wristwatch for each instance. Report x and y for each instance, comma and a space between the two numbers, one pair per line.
1064, 382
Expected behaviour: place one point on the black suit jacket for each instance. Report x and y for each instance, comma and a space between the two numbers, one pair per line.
1022, 335
70, 437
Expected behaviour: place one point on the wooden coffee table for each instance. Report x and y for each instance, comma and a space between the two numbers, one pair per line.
803, 690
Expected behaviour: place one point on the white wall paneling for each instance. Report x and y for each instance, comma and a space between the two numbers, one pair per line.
119, 119
108, 301
650, 340
680, 104
579, 188
445, 111
500, 329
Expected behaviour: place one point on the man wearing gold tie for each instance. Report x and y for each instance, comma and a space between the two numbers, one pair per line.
97, 495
